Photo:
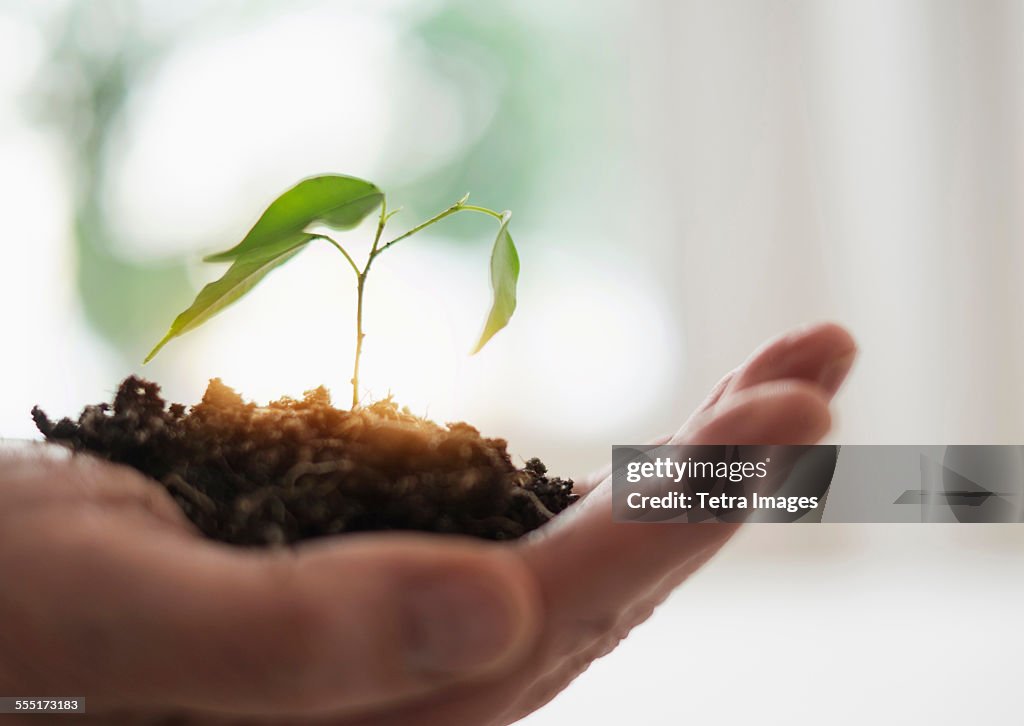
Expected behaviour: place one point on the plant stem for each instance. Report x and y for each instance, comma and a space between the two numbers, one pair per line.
360, 286
375, 250
359, 339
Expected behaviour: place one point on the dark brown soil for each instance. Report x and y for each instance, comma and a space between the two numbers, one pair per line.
293, 470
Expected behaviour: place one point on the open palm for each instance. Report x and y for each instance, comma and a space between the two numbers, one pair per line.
109, 593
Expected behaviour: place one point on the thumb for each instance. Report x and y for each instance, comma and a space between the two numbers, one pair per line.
593, 569
337, 627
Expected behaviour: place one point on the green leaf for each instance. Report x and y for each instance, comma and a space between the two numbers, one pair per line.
240, 278
338, 201
504, 276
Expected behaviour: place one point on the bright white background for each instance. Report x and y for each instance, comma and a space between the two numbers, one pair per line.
705, 174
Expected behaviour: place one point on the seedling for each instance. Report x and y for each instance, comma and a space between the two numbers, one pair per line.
292, 470
340, 203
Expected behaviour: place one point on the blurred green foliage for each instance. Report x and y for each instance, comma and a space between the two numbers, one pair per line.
505, 159
86, 81
102, 51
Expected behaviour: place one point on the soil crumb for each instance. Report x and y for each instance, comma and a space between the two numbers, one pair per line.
298, 469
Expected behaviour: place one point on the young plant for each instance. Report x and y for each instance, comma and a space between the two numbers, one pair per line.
340, 203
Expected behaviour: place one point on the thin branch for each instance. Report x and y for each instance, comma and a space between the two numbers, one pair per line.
341, 249
380, 230
483, 210
436, 218
459, 206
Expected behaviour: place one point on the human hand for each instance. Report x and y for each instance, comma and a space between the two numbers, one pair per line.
108, 592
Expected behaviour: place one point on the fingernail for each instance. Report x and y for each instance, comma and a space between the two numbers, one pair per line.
833, 375
464, 625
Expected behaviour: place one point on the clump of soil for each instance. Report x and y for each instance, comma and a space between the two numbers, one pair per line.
294, 470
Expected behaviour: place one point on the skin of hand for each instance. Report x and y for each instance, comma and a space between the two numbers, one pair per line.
109, 593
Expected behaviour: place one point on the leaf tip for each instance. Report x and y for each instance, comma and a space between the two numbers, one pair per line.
156, 349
